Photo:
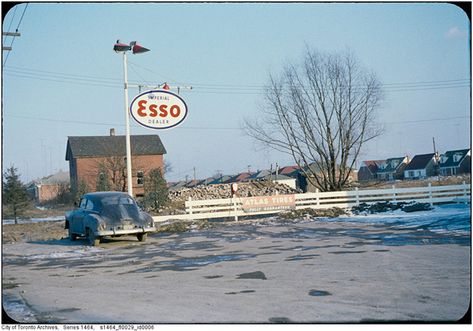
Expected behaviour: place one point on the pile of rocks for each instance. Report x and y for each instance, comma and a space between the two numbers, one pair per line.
382, 207
222, 191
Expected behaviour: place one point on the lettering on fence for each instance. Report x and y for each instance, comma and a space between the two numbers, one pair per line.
266, 203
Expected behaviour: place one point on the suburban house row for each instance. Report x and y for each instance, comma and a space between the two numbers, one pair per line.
421, 166
90, 156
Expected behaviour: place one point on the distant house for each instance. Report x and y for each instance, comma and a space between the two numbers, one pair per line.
455, 162
48, 188
393, 168
421, 166
89, 155
369, 170
242, 177
259, 175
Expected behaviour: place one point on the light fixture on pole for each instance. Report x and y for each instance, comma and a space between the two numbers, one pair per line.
136, 49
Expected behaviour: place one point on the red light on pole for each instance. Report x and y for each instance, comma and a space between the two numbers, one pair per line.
137, 49
121, 47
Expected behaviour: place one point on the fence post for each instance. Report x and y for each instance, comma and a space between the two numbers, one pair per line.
357, 196
464, 191
430, 195
394, 194
235, 207
317, 199
190, 206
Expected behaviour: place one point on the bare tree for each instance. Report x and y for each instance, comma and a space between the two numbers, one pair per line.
321, 112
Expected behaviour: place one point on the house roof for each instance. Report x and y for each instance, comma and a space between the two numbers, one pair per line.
392, 164
420, 161
93, 146
450, 161
373, 165
288, 170
62, 177
242, 177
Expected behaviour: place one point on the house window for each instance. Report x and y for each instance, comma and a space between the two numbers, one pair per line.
457, 157
140, 178
411, 173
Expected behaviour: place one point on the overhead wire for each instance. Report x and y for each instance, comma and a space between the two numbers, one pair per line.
17, 27
209, 88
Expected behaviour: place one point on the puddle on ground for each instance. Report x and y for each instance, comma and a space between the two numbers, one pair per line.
318, 293
252, 275
280, 320
301, 257
244, 291
347, 252
213, 277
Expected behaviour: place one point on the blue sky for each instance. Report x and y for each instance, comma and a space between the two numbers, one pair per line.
63, 79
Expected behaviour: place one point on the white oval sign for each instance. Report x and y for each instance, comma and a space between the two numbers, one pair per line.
158, 109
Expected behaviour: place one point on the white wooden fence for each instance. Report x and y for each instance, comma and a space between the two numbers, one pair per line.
234, 207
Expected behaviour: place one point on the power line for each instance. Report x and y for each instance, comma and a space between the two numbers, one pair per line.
111, 124
212, 88
204, 127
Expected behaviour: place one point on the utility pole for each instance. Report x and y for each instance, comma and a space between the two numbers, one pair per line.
194, 175
136, 49
437, 159
9, 34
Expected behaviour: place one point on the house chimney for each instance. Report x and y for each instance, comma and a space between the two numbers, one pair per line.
112, 132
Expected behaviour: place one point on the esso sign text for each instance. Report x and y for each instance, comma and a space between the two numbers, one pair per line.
158, 109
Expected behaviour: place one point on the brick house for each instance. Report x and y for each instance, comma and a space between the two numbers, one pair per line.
48, 188
369, 170
88, 156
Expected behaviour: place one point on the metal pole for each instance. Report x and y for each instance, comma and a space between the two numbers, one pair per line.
127, 124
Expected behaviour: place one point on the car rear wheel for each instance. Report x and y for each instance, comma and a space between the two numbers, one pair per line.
93, 240
142, 236
72, 236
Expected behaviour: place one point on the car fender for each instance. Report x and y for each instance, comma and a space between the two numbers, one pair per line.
92, 222
147, 218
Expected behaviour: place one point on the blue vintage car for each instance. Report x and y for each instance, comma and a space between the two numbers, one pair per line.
112, 214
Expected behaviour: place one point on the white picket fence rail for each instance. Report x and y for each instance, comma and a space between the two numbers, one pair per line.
233, 207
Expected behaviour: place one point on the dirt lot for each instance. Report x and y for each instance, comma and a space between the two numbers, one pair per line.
270, 272
33, 231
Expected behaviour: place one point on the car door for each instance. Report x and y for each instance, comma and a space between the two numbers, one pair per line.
78, 218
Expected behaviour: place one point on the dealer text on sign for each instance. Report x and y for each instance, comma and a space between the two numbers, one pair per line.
158, 109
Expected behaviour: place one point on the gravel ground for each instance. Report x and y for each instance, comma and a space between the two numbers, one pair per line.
270, 272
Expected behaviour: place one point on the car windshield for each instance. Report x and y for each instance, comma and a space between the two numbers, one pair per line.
119, 207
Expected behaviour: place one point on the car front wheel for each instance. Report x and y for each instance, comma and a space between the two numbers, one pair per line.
93, 240
142, 236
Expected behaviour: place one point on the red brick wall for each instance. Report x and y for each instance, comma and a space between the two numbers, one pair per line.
47, 192
88, 169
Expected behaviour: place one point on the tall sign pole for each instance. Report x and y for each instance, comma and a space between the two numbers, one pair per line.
136, 49
129, 176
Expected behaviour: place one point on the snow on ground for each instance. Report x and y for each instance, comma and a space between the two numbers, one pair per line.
35, 220
442, 218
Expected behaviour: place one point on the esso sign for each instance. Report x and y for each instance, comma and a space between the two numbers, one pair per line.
158, 109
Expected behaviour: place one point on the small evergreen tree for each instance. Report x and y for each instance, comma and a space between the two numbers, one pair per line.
103, 182
15, 196
81, 189
155, 190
